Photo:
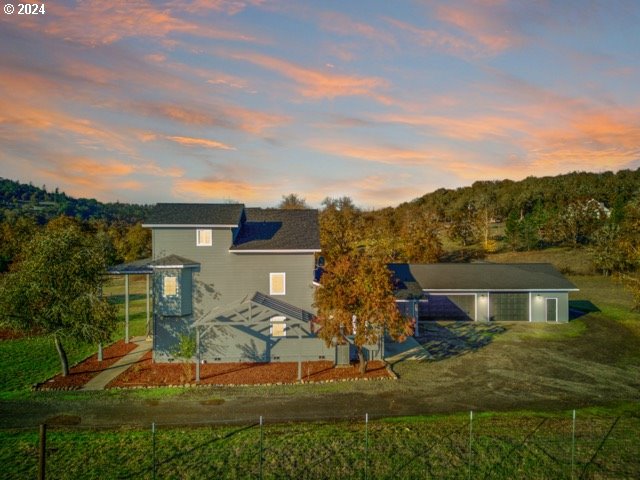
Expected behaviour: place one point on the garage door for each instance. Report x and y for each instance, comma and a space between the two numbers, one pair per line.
448, 307
509, 306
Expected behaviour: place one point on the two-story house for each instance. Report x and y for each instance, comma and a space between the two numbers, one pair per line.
240, 279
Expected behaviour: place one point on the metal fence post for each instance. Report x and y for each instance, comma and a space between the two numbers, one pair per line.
261, 447
573, 444
42, 454
366, 446
470, 442
153, 448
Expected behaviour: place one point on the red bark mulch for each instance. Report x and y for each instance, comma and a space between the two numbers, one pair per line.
8, 334
89, 368
147, 373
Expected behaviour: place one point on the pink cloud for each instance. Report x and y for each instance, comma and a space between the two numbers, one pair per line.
388, 155
199, 142
344, 25
484, 25
102, 22
316, 83
218, 188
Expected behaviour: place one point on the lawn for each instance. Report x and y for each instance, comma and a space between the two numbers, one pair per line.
515, 445
26, 361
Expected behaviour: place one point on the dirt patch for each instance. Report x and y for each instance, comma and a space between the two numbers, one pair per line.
80, 374
147, 373
212, 401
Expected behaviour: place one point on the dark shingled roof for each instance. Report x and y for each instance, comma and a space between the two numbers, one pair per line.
480, 276
173, 260
195, 214
275, 229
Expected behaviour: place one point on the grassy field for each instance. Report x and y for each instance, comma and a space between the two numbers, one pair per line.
515, 445
26, 361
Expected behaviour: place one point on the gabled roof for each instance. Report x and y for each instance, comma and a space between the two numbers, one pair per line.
195, 214
480, 276
277, 230
173, 261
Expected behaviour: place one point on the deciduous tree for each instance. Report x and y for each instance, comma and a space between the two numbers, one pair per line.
54, 288
293, 202
356, 303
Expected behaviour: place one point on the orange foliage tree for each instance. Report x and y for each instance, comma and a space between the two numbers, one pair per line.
356, 304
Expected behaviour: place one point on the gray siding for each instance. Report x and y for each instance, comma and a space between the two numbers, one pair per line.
224, 278
538, 306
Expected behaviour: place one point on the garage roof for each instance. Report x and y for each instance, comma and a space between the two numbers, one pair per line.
480, 276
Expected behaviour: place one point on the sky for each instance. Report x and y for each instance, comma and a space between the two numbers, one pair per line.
249, 100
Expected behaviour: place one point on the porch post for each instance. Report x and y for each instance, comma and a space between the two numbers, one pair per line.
197, 355
299, 352
148, 309
126, 308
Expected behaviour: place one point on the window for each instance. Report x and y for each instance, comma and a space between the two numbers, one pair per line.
278, 327
277, 284
204, 237
170, 286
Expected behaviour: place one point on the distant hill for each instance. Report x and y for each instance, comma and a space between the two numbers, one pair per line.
612, 190
38, 202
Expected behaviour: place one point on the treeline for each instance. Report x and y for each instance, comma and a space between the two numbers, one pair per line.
26, 211
42, 205
576, 209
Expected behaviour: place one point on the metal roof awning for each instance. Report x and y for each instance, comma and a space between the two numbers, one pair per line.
137, 267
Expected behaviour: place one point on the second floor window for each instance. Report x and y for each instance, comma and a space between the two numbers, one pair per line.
277, 284
204, 237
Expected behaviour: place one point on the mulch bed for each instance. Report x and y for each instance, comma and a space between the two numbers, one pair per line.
80, 374
8, 334
147, 373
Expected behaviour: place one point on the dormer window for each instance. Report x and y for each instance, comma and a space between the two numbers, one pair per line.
204, 237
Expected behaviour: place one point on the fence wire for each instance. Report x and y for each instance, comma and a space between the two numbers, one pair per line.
477, 446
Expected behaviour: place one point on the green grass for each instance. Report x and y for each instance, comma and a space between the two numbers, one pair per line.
569, 261
26, 361
514, 445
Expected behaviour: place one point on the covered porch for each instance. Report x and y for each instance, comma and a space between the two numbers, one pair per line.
126, 270
259, 328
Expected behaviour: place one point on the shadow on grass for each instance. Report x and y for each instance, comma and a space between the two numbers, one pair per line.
450, 339
119, 299
169, 463
579, 308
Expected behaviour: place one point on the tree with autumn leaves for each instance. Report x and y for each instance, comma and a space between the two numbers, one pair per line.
356, 304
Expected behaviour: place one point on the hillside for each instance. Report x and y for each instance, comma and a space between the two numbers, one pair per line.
37, 202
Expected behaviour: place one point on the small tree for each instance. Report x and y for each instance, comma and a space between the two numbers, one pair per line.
54, 288
356, 298
293, 202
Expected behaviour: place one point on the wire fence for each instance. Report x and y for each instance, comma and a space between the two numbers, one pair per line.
475, 446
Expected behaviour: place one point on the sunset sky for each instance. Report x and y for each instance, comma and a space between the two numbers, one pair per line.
209, 101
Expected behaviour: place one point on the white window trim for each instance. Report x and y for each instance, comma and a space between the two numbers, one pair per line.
280, 320
204, 244
284, 283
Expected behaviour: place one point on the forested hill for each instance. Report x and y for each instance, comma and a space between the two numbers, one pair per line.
612, 190
28, 200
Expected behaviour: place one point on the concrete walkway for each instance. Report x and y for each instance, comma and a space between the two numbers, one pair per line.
100, 381
410, 349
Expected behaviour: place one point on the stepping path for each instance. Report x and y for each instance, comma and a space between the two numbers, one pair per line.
100, 381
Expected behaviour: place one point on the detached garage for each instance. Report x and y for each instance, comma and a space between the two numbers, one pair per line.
530, 292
